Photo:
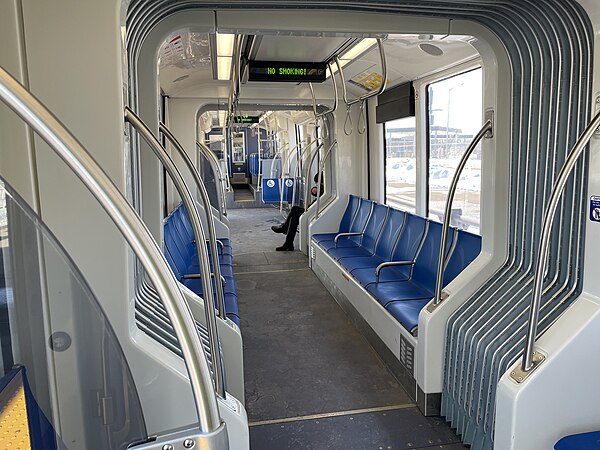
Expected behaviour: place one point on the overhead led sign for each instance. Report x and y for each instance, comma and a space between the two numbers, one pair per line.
286, 71
246, 119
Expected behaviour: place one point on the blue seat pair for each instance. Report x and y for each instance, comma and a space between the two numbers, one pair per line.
181, 254
394, 255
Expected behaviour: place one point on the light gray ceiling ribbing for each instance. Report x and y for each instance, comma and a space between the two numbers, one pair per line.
549, 43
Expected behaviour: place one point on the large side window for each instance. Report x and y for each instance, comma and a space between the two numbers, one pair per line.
455, 116
400, 163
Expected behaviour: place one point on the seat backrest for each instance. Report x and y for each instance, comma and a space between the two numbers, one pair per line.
351, 208
425, 268
409, 240
467, 248
362, 216
173, 248
374, 226
389, 234
360, 219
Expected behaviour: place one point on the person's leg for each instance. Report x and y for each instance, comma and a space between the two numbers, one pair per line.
283, 228
294, 220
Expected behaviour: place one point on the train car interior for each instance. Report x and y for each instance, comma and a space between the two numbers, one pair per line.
299, 224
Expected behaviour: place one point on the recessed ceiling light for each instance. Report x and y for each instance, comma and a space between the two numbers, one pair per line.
431, 49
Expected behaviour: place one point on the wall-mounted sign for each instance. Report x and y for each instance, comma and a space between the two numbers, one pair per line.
246, 119
286, 71
368, 80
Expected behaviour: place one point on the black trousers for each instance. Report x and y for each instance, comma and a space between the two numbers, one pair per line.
291, 224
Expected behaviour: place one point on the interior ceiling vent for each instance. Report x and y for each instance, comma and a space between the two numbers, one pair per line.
431, 49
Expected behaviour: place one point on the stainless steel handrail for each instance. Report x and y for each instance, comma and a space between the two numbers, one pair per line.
66, 146
366, 96
296, 173
320, 177
485, 129
542, 255
210, 220
218, 174
381, 88
314, 153
194, 215
320, 117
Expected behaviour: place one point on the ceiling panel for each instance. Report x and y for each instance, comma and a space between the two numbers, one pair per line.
297, 48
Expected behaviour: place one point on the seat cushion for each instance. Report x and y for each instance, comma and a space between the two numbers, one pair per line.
366, 276
342, 252
388, 292
407, 312
323, 237
360, 262
343, 242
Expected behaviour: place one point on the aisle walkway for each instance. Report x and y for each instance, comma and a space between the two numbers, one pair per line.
312, 380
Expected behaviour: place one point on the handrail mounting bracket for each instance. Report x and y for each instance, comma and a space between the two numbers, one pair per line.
489, 115
519, 375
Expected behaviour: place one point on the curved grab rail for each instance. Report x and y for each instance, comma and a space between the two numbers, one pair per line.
218, 174
296, 173
280, 151
368, 94
363, 97
194, 215
210, 221
320, 178
314, 153
485, 130
66, 146
528, 362
320, 117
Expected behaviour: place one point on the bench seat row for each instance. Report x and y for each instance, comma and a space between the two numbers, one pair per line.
394, 255
181, 254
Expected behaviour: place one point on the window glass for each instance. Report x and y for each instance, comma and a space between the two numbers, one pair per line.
400, 164
455, 116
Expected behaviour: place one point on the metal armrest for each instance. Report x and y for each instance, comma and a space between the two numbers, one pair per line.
390, 264
191, 276
219, 244
339, 235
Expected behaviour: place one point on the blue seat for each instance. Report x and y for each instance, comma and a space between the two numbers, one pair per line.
345, 223
405, 249
181, 254
407, 312
385, 244
369, 237
421, 281
358, 226
581, 441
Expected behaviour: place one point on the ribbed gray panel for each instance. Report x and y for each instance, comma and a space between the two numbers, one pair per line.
151, 317
549, 43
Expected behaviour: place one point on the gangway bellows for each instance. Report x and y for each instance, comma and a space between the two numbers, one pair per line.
213, 432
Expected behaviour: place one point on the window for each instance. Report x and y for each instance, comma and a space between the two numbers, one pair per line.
455, 117
400, 163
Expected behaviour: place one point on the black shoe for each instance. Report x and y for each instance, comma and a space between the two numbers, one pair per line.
285, 248
278, 229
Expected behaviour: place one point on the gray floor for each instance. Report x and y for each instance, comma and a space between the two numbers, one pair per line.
312, 380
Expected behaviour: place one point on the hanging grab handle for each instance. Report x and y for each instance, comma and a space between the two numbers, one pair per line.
348, 125
362, 119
